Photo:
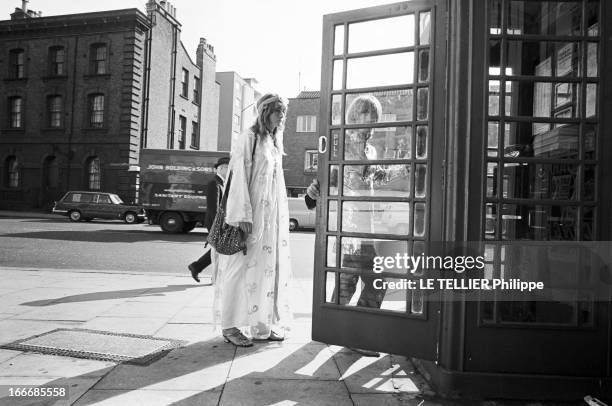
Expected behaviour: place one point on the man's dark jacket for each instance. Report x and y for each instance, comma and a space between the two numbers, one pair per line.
214, 194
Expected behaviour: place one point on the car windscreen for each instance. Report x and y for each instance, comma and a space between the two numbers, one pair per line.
116, 199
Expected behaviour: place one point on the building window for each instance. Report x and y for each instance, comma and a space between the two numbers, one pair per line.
17, 64
12, 172
15, 112
306, 124
96, 110
182, 131
55, 107
236, 123
93, 173
185, 83
311, 161
57, 59
98, 55
196, 89
195, 138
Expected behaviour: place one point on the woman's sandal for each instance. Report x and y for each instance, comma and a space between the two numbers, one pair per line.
274, 336
238, 339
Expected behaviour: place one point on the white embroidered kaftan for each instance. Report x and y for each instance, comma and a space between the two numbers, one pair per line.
252, 290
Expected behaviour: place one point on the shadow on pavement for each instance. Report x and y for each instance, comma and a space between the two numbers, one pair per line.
111, 236
214, 373
114, 294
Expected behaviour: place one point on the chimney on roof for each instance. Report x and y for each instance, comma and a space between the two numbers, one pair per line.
24, 5
23, 12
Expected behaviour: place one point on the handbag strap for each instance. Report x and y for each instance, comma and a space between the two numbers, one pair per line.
229, 177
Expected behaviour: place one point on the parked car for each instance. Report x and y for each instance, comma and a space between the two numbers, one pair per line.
89, 205
299, 215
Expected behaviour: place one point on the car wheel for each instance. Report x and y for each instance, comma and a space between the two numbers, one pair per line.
172, 222
293, 225
130, 217
75, 215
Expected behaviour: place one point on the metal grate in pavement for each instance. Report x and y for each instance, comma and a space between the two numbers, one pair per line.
99, 345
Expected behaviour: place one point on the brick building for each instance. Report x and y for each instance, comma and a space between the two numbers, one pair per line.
300, 141
237, 109
70, 104
180, 106
81, 94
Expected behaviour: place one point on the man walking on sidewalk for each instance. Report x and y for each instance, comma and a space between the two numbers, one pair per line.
214, 194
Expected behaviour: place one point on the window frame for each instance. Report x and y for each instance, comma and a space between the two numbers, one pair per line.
196, 89
311, 156
92, 113
195, 140
182, 132
93, 173
54, 65
59, 113
306, 124
185, 83
12, 179
13, 114
17, 66
95, 63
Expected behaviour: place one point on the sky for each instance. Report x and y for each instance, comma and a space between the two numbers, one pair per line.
277, 42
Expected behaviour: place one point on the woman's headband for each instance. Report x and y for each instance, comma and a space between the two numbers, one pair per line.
261, 104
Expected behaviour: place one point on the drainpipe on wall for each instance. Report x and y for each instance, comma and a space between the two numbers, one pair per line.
74, 73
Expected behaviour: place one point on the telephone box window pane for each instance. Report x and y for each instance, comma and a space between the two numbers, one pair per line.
334, 151
540, 181
556, 311
592, 59
592, 18
394, 299
492, 138
377, 180
589, 182
376, 217
339, 40
541, 140
358, 253
490, 221
332, 244
495, 20
420, 181
591, 100
387, 33
492, 179
420, 214
367, 291
330, 287
539, 223
378, 143
588, 220
422, 103
332, 216
424, 28
338, 66
381, 70
336, 109
589, 139
421, 142
416, 301
544, 18
333, 180
379, 107
423, 65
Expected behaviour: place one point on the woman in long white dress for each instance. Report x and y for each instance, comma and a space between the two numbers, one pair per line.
251, 290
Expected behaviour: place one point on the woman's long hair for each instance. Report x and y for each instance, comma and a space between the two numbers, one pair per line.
266, 105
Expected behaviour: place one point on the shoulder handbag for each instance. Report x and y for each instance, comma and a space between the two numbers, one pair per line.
226, 239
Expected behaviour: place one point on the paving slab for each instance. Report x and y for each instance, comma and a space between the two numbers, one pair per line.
193, 315
150, 398
195, 367
68, 311
258, 392
8, 354
285, 361
129, 325
14, 329
194, 333
142, 309
77, 387
363, 399
33, 364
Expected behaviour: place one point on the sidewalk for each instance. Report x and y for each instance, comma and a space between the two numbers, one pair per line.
30, 214
204, 370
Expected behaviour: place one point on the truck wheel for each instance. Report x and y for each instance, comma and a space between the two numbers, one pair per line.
293, 225
130, 217
75, 215
189, 225
171, 222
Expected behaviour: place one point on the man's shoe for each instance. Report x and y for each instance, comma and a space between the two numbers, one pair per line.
365, 353
194, 272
